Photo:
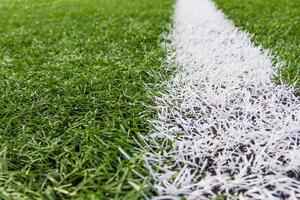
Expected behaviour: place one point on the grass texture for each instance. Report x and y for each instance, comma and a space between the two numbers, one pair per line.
74, 79
275, 24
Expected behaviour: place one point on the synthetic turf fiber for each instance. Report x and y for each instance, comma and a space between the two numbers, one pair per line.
75, 78
225, 130
273, 24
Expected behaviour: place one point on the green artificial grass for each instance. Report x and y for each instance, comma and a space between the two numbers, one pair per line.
274, 24
74, 82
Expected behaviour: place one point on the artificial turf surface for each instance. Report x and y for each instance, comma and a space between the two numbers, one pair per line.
274, 24
74, 82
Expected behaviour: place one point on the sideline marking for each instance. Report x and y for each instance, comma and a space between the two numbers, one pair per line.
227, 128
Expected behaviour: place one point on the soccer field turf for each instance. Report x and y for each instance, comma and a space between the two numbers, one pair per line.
75, 78
273, 24
78, 81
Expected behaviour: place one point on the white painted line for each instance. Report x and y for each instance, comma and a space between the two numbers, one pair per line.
224, 127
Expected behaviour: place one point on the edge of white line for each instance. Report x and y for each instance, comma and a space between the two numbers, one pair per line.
223, 127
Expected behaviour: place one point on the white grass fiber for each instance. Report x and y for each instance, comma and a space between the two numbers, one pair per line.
223, 126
